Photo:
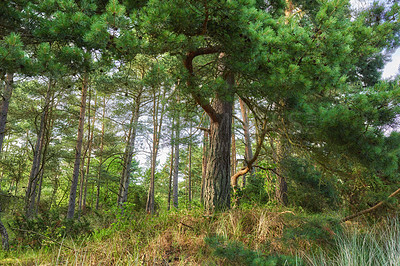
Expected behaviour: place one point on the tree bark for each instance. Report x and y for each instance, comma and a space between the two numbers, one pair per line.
171, 167
4, 236
101, 154
190, 169
157, 124
8, 88
78, 150
35, 173
126, 171
217, 180
204, 164
233, 167
176, 162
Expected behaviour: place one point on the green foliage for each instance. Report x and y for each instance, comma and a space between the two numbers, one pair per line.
236, 254
308, 188
319, 229
46, 229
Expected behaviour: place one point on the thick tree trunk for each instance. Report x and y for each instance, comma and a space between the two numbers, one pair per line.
35, 173
217, 180
126, 171
8, 88
4, 236
247, 141
78, 150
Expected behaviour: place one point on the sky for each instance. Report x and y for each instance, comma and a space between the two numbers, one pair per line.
392, 68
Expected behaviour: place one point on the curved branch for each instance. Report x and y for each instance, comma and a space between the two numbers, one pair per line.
188, 63
370, 209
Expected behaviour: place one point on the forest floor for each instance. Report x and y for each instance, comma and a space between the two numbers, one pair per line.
237, 237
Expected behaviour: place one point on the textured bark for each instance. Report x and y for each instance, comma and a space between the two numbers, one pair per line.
36, 171
78, 151
217, 180
8, 88
247, 141
126, 171
4, 236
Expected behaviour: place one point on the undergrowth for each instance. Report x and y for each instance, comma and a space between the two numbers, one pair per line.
236, 237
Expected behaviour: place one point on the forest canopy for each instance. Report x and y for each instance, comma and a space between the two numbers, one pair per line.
246, 102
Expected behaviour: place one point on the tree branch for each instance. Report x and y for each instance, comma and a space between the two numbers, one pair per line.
188, 63
347, 218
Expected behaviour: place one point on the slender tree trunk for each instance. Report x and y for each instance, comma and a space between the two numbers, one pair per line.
4, 106
101, 154
204, 164
78, 150
90, 141
4, 236
281, 184
157, 124
36, 170
217, 180
171, 167
247, 141
190, 169
233, 147
176, 161
126, 172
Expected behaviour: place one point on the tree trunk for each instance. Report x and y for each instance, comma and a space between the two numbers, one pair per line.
204, 164
101, 154
247, 141
90, 141
233, 166
126, 171
217, 180
281, 184
190, 169
35, 175
171, 167
4, 107
78, 150
4, 236
157, 124
176, 163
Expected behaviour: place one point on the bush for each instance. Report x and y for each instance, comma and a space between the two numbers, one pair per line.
46, 229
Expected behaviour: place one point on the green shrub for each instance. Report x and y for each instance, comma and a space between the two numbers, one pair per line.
46, 229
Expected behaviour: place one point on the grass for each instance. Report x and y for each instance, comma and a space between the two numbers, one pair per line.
371, 247
237, 237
